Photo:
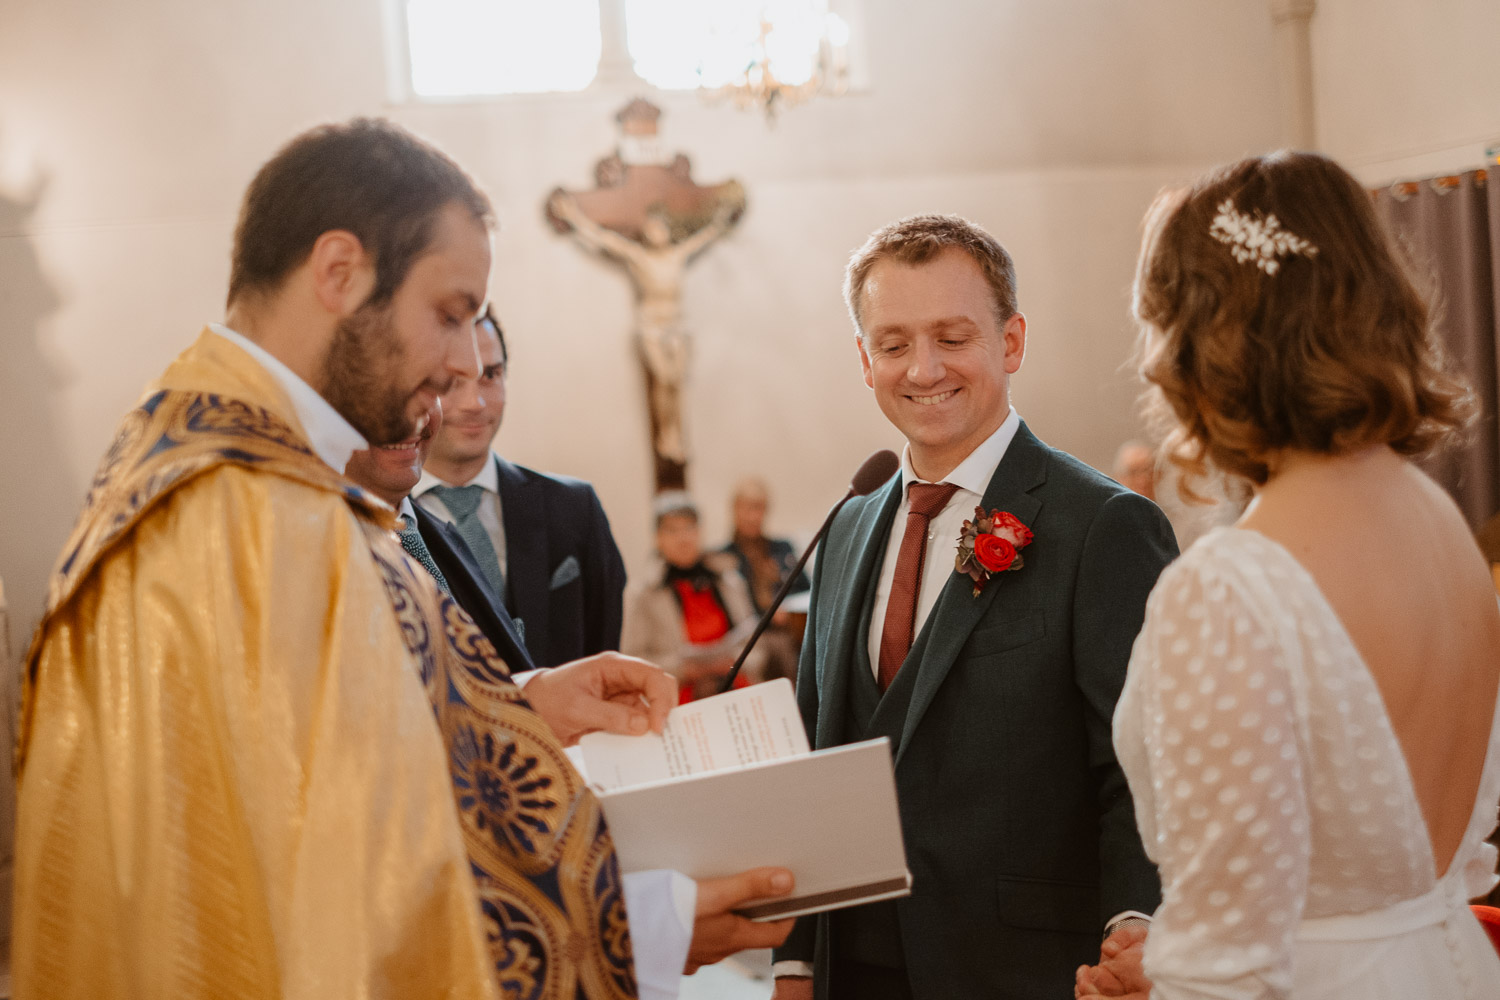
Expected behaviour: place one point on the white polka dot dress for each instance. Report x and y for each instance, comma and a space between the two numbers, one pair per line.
1271, 790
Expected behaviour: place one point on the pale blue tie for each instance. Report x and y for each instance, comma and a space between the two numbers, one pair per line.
463, 503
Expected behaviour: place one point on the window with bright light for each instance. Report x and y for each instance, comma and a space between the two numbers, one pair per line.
683, 44
461, 48
478, 48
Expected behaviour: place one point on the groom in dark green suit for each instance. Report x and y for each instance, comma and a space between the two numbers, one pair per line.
996, 685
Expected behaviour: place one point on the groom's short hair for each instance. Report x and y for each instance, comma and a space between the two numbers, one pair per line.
917, 239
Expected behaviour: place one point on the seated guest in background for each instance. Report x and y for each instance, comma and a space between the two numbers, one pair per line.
1135, 468
1309, 722
542, 541
1217, 500
690, 620
765, 563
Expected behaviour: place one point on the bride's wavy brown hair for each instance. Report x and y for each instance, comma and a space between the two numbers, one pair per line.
1331, 353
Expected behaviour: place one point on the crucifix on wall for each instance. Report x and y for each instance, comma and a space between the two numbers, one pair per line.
648, 216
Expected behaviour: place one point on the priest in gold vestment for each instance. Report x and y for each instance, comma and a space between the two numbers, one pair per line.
212, 804
261, 755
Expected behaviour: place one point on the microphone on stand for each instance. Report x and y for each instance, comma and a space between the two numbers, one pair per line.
878, 468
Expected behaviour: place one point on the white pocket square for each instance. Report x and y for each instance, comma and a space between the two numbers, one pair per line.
567, 571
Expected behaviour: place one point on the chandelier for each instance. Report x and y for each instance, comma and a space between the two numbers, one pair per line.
776, 55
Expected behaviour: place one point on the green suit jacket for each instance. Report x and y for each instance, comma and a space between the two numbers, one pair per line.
1019, 827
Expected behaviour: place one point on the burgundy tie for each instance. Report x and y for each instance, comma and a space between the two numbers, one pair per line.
924, 500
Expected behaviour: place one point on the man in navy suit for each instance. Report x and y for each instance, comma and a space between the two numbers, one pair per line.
996, 690
471, 590
390, 472
542, 542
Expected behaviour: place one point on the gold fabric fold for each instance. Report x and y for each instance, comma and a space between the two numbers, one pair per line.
549, 881
210, 805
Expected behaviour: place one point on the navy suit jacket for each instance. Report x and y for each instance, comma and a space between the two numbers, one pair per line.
1019, 827
471, 590
564, 579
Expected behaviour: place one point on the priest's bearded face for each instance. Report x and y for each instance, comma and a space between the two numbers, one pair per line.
390, 362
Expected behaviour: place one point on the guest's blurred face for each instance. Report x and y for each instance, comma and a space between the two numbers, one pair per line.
678, 539
1135, 469
473, 407
388, 364
391, 471
937, 357
749, 509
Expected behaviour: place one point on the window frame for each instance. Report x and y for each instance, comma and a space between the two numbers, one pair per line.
616, 75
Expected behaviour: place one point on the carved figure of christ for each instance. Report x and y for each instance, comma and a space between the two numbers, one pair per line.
656, 266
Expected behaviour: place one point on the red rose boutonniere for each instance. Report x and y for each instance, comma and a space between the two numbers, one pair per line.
990, 544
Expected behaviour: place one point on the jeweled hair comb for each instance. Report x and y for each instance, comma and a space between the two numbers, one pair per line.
1256, 238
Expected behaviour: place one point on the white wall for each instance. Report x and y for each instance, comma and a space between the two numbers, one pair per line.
134, 127
1407, 90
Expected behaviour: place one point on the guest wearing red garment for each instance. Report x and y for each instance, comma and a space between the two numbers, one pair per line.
693, 619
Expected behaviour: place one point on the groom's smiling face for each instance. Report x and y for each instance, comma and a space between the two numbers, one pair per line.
938, 356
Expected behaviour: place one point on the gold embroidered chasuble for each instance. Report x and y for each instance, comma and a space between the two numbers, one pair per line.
231, 784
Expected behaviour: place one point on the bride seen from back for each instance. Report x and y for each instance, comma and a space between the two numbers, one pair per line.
1309, 721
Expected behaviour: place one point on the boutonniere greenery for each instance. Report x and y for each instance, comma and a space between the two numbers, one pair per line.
990, 544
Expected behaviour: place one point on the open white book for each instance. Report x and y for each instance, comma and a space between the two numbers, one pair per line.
730, 785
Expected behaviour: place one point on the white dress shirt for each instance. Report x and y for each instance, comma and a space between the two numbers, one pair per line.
659, 907
972, 477
332, 438
489, 506
659, 904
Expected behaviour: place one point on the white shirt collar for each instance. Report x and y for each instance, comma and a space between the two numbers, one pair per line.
332, 438
407, 512
488, 477
974, 472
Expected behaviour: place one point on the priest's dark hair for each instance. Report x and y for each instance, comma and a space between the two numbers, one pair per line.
369, 177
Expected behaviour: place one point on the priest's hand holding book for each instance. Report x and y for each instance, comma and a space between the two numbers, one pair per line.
719, 932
